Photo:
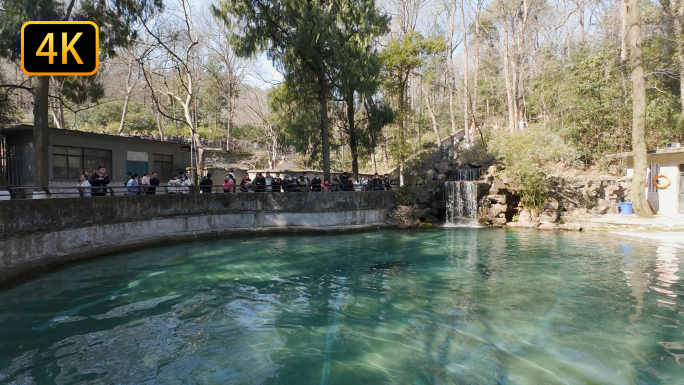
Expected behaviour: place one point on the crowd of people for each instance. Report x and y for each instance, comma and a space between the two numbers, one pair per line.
302, 183
181, 183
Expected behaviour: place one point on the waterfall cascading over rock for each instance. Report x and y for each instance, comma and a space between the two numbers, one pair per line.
461, 203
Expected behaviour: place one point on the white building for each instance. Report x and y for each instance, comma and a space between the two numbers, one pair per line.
668, 163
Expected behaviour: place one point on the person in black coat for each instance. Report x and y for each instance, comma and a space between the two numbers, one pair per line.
154, 182
260, 183
99, 179
205, 184
275, 184
316, 184
376, 183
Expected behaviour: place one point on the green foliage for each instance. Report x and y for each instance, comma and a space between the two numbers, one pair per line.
528, 157
585, 100
298, 116
108, 116
116, 21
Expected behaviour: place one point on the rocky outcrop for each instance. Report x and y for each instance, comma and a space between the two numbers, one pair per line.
406, 217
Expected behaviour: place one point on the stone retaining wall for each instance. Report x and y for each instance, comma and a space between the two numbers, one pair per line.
39, 233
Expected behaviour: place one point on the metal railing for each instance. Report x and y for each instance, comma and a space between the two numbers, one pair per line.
10, 168
30, 192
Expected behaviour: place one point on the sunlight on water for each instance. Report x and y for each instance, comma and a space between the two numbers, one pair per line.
447, 306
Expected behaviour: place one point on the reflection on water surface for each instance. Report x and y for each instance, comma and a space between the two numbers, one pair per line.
448, 306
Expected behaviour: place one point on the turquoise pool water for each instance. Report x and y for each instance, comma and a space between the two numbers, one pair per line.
447, 306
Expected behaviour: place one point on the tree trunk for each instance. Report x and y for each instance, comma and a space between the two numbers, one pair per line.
451, 75
53, 112
231, 114
352, 134
129, 89
466, 120
41, 135
403, 133
123, 113
639, 199
374, 166
159, 126
323, 102
432, 116
56, 108
385, 157
517, 69
583, 33
507, 78
623, 33
477, 63
679, 46
452, 115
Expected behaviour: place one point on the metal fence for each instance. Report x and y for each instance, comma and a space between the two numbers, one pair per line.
31, 192
11, 169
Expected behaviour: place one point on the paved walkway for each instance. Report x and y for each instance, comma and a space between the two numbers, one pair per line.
670, 238
666, 230
618, 221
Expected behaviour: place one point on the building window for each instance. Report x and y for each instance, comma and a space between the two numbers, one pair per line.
163, 165
71, 162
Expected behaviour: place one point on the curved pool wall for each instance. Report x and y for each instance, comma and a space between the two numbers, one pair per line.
35, 234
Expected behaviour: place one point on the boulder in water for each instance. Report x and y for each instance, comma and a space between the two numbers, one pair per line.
570, 226
544, 225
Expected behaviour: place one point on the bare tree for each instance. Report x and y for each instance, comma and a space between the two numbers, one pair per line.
623, 33
466, 120
233, 67
438, 138
130, 85
506, 69
169, 67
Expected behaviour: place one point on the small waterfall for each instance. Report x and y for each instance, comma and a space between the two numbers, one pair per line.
461, 203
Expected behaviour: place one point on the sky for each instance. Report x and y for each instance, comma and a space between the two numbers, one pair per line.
265, 76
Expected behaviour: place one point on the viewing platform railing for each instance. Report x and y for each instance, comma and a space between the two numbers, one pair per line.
32, 192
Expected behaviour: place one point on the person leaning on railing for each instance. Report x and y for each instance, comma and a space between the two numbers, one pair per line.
132, 185
276, 183
154, 182
84, 185
205, 184
316, 184
229, 183
174, 185
99, 179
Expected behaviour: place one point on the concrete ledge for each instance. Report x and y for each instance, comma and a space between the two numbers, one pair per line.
32, 253
20, 217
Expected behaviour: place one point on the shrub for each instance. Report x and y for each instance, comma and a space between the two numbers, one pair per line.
528, 157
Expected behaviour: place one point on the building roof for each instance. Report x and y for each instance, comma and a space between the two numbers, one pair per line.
22, 128
660, 151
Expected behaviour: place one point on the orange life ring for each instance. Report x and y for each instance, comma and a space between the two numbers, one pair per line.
655, 181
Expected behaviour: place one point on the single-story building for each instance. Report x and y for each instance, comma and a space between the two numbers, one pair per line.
667, 195
72, 153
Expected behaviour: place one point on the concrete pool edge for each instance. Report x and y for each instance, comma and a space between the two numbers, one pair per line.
26, 257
